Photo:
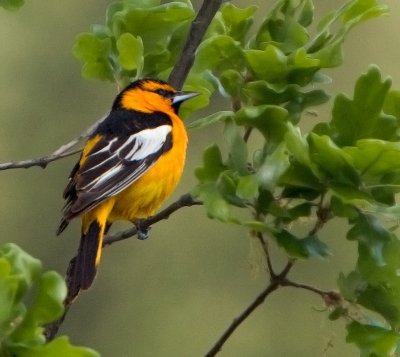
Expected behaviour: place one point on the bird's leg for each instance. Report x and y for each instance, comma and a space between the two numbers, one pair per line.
142, 232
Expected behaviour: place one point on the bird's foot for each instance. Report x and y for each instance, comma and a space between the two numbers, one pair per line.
142, 232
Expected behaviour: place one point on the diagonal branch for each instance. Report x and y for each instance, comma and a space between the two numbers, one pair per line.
243, 316
64, 150
199, 26
185, 200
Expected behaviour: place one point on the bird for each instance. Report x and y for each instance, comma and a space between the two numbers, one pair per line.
129, 165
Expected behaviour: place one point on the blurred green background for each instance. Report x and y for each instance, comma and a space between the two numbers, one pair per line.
173, 294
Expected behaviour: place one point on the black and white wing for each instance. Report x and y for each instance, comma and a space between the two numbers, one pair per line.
112, 165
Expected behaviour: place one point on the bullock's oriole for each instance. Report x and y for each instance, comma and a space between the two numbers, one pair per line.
128, 167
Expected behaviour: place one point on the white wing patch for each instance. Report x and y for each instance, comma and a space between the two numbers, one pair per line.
134, 149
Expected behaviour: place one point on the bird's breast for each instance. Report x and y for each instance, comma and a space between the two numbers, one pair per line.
145, 196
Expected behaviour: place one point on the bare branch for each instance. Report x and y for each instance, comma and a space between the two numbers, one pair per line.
40, 161
243, 316
264, 245
63, 151
185, 200
330, 297
277, 280
196, 33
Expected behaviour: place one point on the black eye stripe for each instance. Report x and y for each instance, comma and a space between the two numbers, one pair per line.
164, 93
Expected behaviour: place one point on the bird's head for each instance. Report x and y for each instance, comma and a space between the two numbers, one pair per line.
150, 95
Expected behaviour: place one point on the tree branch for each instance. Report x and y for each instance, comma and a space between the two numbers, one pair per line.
199, 26
330, 297
275, 283
243, 316
63, 151
185, 200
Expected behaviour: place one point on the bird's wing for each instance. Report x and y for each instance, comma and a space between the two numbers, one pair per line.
113, 164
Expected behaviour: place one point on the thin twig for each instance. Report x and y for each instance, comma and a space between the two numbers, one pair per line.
264, 245
243, 316
63, 151
199, 26
185, 200
330, 297
40, 161
276, 281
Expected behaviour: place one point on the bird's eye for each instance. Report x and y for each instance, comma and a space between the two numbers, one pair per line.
162, 92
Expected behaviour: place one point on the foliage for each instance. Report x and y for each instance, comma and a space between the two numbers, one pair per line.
11, 4
29, 299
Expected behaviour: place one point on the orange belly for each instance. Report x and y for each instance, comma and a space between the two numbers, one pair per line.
145, 196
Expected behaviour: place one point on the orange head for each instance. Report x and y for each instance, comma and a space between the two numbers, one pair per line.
151, 95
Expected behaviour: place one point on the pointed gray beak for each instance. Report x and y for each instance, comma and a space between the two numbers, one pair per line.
180, 97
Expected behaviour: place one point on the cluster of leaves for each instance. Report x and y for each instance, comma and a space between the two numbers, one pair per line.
29, 299
347, 167
11, 5
139, 39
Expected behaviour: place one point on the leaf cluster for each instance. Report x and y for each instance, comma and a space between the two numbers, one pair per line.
347, 167
11, 5
29, 299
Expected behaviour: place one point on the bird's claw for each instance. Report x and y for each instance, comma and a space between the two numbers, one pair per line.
142, 232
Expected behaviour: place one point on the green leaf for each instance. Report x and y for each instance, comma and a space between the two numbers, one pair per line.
90, 48
210, 119
362, 117
298, 146
269, 64
94, 53
341, 209
361, 10
270, 120
238, 158
374, 157
247, 187
130, 49
369, 232
232, 82
332, 160
301, 248
372, 340
59, 347
219, 53
300, 176
227, 185
237, 21
392, 104
351, 285
306, 13
273, 167
48, 305
217, 207
212, 165
12, 5
139, 21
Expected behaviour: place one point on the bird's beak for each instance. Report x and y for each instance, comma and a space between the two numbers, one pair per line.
180, 97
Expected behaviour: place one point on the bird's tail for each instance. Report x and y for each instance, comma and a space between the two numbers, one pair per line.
83, 267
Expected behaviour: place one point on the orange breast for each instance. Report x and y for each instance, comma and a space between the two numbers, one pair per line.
145, 196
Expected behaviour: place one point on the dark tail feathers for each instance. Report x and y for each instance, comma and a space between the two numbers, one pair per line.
82, 268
